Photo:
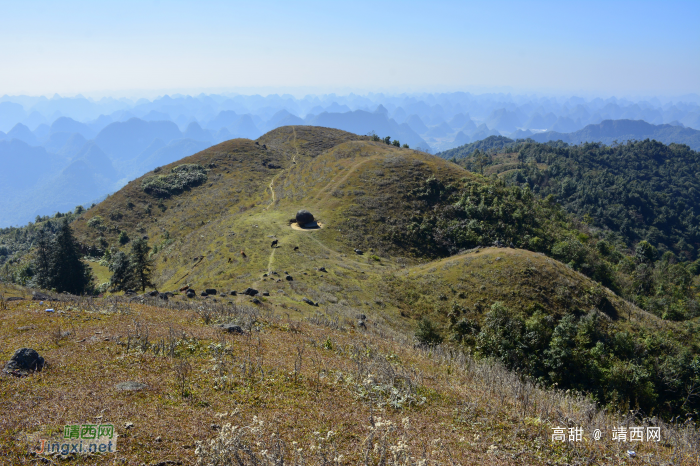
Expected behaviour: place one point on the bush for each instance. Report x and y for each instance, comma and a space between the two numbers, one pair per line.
427, 333
181, 178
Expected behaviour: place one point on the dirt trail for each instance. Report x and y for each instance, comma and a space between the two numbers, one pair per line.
342, 180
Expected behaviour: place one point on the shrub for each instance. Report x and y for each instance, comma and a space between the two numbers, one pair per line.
179, 179
427, 332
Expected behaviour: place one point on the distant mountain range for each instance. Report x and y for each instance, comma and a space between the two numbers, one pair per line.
610, 131
607, 132
108, 142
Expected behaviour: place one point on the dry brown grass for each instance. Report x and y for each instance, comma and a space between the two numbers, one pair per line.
320, 393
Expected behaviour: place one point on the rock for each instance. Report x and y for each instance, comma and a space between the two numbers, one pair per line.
231, 328
308, 301
264, 275
250, 292
233, 293
153, 294
274, 243
24, 361
211, 291
303, 217
358, 251
289, 278
203, 293
191, 294
322, 269
264, 146
511, 245
266, 293
256, 301
37, 296
223, 295
130, 386
163, 296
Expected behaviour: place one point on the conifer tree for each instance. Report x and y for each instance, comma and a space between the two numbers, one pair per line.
141, 264
67, 271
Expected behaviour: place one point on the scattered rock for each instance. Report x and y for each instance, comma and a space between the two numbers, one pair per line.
511, 245
308, 301
24, 361
266, 293
322, 269
203, 293
256, 301
250, 292
264, 275
231, 328
130, 386
190, 293
289, 278
37, 296
233, 293
358, 251
163, 296
223, 295
303, 217
153, 293
211, 291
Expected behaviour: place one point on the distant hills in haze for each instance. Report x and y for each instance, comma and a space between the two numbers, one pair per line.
98, 145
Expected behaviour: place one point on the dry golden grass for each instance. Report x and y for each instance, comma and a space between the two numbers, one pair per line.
285, 381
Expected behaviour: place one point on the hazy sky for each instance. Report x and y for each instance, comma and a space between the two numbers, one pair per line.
607, 47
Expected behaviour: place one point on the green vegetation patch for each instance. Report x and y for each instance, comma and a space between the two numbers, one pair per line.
180, 178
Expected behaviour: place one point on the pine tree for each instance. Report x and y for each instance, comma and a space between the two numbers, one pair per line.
141, 264
67, 271
42, 263
122, 272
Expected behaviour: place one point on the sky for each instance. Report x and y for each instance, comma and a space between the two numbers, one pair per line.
99, 48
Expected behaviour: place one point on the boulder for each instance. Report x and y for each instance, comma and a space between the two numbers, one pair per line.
211, 291
163, 296
256, 301
153, 294
24, 361
289, 278
309, 302
191, 294
204, 293
37, 296
231, 328
250, 292
130, 386
322, 269
358, 251
266, 293
233, 293
303, 217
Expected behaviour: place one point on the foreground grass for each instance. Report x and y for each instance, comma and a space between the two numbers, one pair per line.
326, 391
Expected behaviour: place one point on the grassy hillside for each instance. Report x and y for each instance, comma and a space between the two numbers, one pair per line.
317, 391
417, 221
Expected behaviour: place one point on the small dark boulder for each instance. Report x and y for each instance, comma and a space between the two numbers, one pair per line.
304, 217
289, 278
309, 302
233, 293
322, 269
37, 296
223, 295
256, 301
204, 293
24, 361
250, 292
163, 296
358, 251
211, 291
153, 293
231, 328
266, 293
191, 294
